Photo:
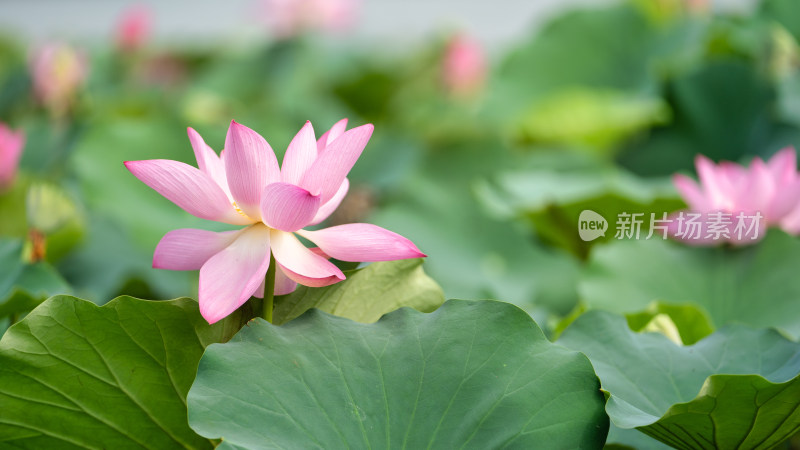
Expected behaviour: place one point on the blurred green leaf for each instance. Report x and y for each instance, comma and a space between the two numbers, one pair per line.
474, 256
738, 388
553, 201
369, 93
789, 99
597, 119
558, 57
24, 285
53, 214
387, 161
105, 182
724, 110
755, 285
628, 53
690, 322
110, 259
12, 209
49, 144
411, 380
785, 12
470, 253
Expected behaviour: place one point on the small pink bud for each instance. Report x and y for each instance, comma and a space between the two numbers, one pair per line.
11, 145
134, 28
464, 66
58, 71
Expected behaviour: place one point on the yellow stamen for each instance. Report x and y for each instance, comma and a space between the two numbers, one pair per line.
239, 210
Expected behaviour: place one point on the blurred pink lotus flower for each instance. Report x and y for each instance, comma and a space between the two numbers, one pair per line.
769, 191
288, 18
11, 145
58, 71
464, 67
245, 186
134, 27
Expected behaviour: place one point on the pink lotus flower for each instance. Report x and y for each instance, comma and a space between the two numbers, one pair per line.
133, 28
464, 67
288, 18
58, 71
245, 186
769, 190
11, 145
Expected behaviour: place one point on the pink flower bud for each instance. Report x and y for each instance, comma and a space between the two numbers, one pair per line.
464, 66
11, 145
58, 71
134, 27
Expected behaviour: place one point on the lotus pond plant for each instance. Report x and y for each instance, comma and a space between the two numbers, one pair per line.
245, 186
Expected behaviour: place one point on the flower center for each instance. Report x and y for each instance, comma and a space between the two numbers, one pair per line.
239, 210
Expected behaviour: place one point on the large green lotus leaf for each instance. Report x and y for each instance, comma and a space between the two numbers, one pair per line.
478, 374
738, 388
553, 201
631, 439
367, 294
755, 285
75, 375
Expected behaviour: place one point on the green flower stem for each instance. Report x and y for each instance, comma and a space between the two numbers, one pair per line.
269, 291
